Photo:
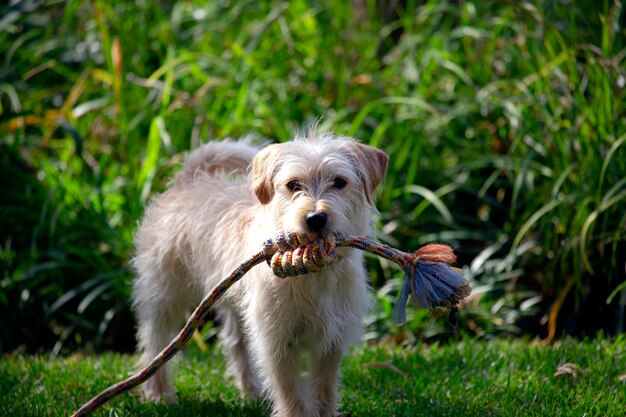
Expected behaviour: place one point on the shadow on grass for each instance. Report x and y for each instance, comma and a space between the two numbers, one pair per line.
414, 407
202, 407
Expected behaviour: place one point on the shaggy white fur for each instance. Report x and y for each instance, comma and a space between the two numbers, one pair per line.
212, 218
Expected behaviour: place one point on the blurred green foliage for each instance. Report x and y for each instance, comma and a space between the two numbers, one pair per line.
505, 123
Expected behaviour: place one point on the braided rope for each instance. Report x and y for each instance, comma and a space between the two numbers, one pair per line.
430, 282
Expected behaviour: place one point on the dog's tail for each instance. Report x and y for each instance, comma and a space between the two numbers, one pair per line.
226, 157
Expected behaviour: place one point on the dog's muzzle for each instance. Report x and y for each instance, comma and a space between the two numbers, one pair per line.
300, 253
316, 220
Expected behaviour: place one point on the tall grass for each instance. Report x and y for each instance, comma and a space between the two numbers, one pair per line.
504, 123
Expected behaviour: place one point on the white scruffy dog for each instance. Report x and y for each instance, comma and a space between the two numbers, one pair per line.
211, 219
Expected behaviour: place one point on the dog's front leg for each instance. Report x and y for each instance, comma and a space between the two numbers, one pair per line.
284, 384
325, 373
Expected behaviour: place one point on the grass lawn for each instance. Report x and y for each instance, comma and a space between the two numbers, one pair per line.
466, 378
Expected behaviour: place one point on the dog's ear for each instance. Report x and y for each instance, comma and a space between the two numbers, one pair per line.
372, 165
262, 170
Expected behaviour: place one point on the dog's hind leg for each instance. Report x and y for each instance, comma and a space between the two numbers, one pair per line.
236, 350
158, 322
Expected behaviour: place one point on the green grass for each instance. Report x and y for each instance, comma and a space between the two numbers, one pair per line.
480, 378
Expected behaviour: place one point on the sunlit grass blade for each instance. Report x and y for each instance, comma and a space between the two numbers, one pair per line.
607, 160
149, 163
71, 294
532, 220
619, 198
433, 198
92, 295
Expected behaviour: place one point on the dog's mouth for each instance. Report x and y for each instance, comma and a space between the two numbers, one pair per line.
292, 253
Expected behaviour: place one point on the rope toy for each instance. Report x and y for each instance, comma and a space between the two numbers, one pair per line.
430, 282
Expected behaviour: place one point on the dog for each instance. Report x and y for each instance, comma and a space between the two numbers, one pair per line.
284, 339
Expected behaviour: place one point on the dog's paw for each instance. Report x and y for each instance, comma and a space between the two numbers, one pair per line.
156, 396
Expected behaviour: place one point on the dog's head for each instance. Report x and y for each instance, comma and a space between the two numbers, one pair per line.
319, 184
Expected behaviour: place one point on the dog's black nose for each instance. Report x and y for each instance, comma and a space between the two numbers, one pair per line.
316, 220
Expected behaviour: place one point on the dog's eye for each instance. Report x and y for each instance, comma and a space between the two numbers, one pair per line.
339, 183
294, 185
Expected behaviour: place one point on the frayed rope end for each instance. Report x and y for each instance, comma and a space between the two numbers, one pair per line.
431, 281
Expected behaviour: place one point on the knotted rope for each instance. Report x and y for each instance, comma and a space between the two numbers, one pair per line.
430, 282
